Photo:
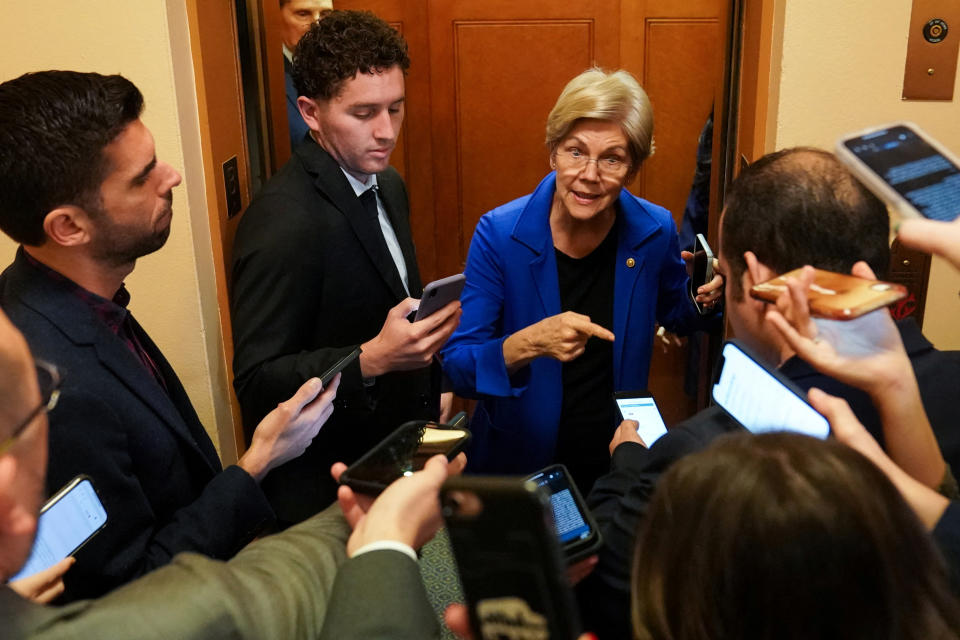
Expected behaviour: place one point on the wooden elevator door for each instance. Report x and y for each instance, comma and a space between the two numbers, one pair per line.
483, 78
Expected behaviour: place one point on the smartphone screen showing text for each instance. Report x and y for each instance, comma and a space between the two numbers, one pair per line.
570, 523
63, 527
760, 402
917, 171
644, 411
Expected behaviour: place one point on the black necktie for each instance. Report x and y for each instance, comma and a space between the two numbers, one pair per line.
369, 201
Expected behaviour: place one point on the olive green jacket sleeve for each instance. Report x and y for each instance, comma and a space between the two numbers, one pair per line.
277, 587
380, 596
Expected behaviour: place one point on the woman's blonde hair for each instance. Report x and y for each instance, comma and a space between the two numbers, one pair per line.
615, 97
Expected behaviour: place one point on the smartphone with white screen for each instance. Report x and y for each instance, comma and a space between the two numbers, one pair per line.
640, 406
576, 528
67, 520
906, 168
762, 399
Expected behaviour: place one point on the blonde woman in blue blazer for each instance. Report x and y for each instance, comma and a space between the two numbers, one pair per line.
564, 287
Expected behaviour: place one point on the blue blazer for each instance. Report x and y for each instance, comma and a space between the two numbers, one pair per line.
512, 283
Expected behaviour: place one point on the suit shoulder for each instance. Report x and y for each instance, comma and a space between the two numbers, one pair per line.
637, 206
501, 220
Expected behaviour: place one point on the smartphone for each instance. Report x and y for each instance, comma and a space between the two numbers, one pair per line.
439, 294
640, 406
72, 516
403, 452
574, 524
339, 366
509, 557
763, 399
702, 269
458, 421
906, 168
836, 296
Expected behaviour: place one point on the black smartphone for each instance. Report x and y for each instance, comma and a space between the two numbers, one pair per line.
574, 524
72, 516
763, 399
702, 269
905, 167
403, 452
437, 295
640, 406
339, 366
509, 558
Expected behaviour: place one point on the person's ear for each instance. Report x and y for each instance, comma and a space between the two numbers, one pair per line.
756, 272
68, 226
310, 110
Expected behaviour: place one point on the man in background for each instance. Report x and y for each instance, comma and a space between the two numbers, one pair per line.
296, 16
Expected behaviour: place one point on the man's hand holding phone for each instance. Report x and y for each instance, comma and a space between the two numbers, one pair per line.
626, 432
878, 364
287, 431
402, 345
408, 511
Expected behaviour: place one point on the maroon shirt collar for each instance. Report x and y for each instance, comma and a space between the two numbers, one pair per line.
113, 313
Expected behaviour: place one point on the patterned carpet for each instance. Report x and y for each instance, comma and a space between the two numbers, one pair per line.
439, 571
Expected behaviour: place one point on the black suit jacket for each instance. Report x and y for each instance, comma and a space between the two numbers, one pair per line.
619, 500
150, 459
311, 279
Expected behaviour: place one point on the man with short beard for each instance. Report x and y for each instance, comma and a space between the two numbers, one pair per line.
84, 194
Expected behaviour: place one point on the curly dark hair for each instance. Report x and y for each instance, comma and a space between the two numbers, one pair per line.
54, 127
339, 46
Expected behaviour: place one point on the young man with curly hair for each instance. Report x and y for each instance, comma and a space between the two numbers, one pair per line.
323, 262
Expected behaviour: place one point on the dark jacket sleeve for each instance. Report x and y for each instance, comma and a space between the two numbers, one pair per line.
947, 536
619, 502
276, 298
142, 534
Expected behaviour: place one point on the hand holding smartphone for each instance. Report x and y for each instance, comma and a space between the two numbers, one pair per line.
763, 399
702, 270
640, 406
67, 521
836, 296
509, 559
402, 453
906, 168
437, 295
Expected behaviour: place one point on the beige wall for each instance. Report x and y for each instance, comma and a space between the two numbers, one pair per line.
146, 41
842, 70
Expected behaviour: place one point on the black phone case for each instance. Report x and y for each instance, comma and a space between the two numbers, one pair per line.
510, 561
339, 366
361, 485
578, 549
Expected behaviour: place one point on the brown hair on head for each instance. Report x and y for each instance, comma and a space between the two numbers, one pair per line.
784, 536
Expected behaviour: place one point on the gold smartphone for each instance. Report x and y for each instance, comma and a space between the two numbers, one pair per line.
836, 296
